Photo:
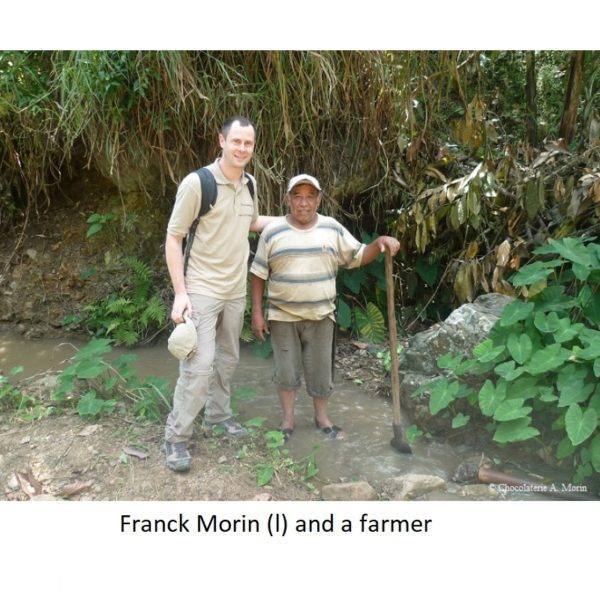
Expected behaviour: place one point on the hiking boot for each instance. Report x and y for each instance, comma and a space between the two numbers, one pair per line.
231, 427
177, 455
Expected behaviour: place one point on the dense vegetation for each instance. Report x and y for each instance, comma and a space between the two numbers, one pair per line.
455, 152
479, 162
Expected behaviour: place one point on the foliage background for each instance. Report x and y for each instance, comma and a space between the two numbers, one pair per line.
430, 146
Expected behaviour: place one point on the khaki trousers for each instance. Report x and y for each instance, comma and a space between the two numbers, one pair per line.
204, 377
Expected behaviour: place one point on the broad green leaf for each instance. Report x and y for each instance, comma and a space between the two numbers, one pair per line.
535, 272
89, 405
581, 272
486, 351
426, 271
514, 312
575, 392
413, 433
353, 279
554, 298
548, 396
515, 431
597, 367
16, 370
519, 347
442, 395
93, 229
573, 249
371, 324
89, 370
584, 296
255, 422
564, 448
582, 473
96, 347
524, 387
546, 323
567, 332
570, 373
490, 397
265, 475
547, 359
507, 370
580, 424
344, 315
592, 310
510, 409
460, 420
449, 361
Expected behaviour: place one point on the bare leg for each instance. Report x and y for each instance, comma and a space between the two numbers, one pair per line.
287, 399
321, 417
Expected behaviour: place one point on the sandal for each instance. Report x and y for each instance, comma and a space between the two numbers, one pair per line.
332, 433
287, 433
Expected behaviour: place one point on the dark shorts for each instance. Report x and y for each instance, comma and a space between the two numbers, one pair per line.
303, 345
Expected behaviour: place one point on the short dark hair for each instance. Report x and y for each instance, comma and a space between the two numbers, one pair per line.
243, 121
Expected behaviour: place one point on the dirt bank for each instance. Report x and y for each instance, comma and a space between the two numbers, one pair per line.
57, 455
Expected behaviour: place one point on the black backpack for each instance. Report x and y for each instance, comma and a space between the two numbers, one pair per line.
208, 187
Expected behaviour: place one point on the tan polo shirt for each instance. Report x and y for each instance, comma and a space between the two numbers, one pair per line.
219, 257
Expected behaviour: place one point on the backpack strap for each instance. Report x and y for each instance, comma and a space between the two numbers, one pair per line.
208, 189
250, 183
208, 196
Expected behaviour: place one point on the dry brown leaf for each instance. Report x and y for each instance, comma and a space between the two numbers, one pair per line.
472, 250
29, 484
132, 451
359, 345
71, 489
502, 253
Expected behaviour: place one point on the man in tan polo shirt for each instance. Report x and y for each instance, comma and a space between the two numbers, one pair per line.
213, 290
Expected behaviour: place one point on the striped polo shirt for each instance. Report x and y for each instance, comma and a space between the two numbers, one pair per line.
300, 267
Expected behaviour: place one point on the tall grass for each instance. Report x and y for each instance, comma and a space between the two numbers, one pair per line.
146, 118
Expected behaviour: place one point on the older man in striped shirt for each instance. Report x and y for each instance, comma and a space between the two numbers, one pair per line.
299, 256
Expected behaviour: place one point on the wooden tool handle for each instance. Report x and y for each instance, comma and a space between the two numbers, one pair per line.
393, 335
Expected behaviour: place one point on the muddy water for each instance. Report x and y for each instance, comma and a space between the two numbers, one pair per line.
365, 454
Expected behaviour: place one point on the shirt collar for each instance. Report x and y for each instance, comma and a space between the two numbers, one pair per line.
220, 176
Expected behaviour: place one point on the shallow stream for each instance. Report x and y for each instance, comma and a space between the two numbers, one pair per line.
365, 454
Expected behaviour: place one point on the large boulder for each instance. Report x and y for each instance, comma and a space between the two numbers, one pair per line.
412, 485
464, 328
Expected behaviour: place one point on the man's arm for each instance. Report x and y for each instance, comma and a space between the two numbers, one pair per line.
174, 258
377, 246
261, 222
259, 325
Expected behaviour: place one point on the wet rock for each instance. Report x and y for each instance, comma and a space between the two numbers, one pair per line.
356, 490
464, 328
412, 485
479, 491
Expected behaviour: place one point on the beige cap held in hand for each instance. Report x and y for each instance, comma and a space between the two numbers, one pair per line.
184, 340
